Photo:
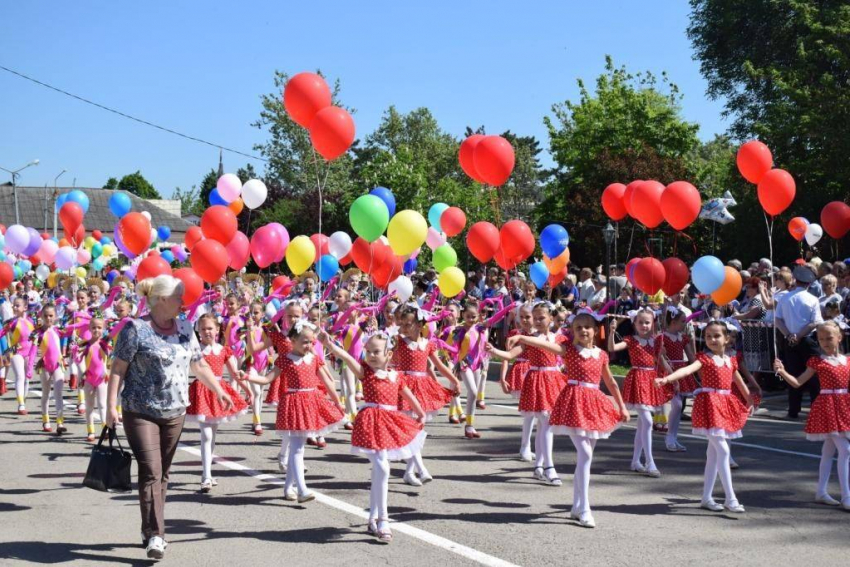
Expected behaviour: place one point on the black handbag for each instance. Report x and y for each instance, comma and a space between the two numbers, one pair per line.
109, 467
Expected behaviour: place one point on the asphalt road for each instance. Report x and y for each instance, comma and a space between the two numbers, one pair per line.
484, 507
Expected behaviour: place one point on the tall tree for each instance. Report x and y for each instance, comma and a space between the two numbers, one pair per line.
134, 183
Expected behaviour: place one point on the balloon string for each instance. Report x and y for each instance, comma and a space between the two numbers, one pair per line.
320, 186
631, 239
769, 226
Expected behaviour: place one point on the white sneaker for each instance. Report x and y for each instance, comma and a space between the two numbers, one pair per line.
653, 472
827, 500
411, 479
156, 548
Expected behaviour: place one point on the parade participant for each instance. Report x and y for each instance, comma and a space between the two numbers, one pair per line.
445, 332
678, 349
79, 319
18, 331
256, 361
96, 355
52, 368
511, 380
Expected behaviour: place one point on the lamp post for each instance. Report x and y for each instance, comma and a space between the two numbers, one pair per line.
15, 175
55, 195
609, 233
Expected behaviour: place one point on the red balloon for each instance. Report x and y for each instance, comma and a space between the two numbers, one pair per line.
209, 259
193, 285
612, 201
557, 277
71, 215
79, 236
483, 241
494, 159
2, 229
392, 268
151, 267
646, 203
239, 250
680, 204
754, 160
7, 275
517, 241
46, 236
96, 234
368, 257
305, 94
503, 262
346, 260
321, 242
776, 191
219, 223
627, 196
453, 221
835, 219
467, 159
797, 227
649, 275
676, 276
332, 132
193, 236
35, 259
282, 283
135, 232
630, 273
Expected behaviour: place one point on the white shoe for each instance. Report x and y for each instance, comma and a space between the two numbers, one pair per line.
281, 466
426, 477
552, 478
734, 507
526, 457
411, 479
156, 548
306, 497
586, 521
206, 485
845, 505
290, 495
638, 468
653, 472
827, 500
539, 475
676, 447
711, 505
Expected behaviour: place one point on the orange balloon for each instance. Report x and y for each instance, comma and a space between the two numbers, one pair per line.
236, 206
797, 227
63, 242
556, 265
730, 289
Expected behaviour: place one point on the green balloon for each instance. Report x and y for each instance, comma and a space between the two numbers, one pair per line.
369, 217
444, 257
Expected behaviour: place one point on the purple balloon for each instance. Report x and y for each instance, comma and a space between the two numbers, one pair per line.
34, 244
120, 244
17, 238
283, 235
179, 252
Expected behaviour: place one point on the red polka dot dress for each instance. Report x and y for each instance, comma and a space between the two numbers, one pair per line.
379, 426
830, 413
282, 346
411, 360
304, 410
639, 389
517, 371
739, 358
544, 381
203, 403
582, 408
716, 411
674, 348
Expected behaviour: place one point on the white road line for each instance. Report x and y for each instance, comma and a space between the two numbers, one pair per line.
401, 527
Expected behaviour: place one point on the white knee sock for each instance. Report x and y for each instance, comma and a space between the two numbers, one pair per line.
827, 453
527, 427
581, 478
843, 446
643, 439
208, 431
471, 393
380, 486
721, 451
674, 420
295, 467
21, 382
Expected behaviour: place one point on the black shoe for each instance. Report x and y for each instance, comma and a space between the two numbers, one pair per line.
792, 416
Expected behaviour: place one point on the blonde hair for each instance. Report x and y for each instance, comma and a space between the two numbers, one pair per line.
161, 286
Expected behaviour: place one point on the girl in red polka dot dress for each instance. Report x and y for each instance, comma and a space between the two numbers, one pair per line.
540, 388
204, 405
829, 418
639, 391
381, 431
511, 379
717, 414
304, 409
679, 351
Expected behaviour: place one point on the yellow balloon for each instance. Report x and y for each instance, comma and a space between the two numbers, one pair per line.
81, 272
108, 250
300, 254
451, 281
407, 232
89, 242
51, 279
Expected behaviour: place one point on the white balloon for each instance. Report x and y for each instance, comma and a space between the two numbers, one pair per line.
403, 288
146, 214
254, 193
339, 245
153, 236
42, 271
814, 233
270, 310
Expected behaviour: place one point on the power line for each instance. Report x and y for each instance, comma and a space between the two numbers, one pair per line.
125, 115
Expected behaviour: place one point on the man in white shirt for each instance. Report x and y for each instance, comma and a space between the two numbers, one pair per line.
797, 316
585, 285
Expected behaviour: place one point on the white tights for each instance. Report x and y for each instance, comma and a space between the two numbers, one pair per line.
22, 385
543, 442
643, 439
283, 455
675, 418
295, 465
92, 394
527, 428
349, 392
208, 431
471, 383
831, 445
257, 404
416, 463
581, 479
481, 385
56, 380
717, 462
380, 486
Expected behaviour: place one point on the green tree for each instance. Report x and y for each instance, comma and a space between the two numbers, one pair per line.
190, 204
111, 183
134, 183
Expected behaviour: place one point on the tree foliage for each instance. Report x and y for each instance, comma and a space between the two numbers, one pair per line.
134, 183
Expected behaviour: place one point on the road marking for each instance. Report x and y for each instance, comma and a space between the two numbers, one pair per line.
401, 527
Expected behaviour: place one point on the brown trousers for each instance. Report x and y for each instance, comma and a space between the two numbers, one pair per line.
154, 442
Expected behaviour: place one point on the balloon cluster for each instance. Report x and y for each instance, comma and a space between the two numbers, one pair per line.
711, 277
308, 101
554, 241
487, 159
776, 187
650, 275
231, 193
651, 203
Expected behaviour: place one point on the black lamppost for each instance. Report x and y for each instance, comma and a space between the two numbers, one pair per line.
609, 232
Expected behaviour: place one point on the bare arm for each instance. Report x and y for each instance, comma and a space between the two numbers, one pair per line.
414, 403
116, 377
788, 377
679, 374
615, 346
445, 371
503, 375
233, 369
204, 373
504, 354
614, 390
342, 354
559, 349
743, 388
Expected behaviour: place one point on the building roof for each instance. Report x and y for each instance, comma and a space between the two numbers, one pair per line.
36, 204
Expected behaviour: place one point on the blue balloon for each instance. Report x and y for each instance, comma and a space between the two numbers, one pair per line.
167, 256
112, 275
539, 274
97, 264
216, 199
708, 274
80, 198
25, 265
276, 303
105, 240
120, 204
61, 200
327, 267
163, 233
434, 214
386, 196
410, 266
554, 240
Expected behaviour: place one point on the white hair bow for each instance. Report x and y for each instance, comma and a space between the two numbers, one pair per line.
586, 311
302, 324
634, 313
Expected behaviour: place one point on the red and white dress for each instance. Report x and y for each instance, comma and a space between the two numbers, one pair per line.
639, 389
830, 413
411, 360
203, 402
581, 408
674, 348
282, 346
739, 358
304, 409
544, 381
517, 371
379, 426
716, 411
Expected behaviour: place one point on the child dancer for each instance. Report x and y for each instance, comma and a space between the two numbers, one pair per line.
18, 332
540, 388
582, 411
256, 361
53, 370
717, 415
511, 380
204, 405
302, 411
446, 334
639, 391
679, 352
95, 354
381, 432
829, 418
79, 320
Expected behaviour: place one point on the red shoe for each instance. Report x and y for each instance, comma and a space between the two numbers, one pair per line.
46, 428
470, 433
480, 405
258, 430
72, 383
312, 442
348, 426
321, 443
3, 388
453, 419
91, 438
22, 410
81, 410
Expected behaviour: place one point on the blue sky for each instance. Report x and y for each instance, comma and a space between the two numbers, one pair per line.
200, 68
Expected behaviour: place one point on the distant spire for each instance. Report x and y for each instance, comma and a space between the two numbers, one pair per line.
220, 162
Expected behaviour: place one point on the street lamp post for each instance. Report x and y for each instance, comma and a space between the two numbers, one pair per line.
55, 195
609, 233
15, 175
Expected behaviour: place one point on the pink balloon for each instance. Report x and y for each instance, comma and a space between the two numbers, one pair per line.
239, 250
283, 239
265, 246
48, 251
83, 256
229, 187
435, 238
